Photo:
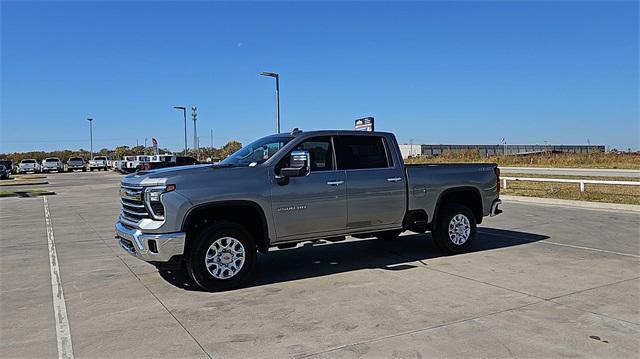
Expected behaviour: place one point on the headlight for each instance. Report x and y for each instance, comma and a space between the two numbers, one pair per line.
152, 200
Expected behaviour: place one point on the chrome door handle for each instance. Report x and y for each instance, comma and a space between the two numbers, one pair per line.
394, 179
335, 183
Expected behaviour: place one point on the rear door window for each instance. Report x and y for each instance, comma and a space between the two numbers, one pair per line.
360, 152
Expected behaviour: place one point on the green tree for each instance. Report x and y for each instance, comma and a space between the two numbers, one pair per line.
230, 147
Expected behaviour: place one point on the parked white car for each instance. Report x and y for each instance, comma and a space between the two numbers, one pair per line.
28, 165
52, 164
131, 163
98, 163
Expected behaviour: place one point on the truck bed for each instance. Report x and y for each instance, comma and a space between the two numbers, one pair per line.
427, 182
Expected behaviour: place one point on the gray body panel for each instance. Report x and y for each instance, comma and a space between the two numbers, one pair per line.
308, 206
366, 200
428, 182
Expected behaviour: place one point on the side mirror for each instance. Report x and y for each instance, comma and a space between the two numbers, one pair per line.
299, 165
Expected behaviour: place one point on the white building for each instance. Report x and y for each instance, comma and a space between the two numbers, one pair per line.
410, 150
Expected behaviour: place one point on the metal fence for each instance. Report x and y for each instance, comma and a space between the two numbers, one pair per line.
492, 150
580, 182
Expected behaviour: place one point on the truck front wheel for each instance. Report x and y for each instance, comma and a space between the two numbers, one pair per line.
222, 256
455, 228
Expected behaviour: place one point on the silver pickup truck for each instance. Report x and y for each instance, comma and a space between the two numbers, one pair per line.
289, 188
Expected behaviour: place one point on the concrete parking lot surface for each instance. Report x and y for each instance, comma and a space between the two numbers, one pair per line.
539, 282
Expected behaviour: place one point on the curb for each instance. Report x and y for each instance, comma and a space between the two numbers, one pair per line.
34, 183
27, 194
572, 203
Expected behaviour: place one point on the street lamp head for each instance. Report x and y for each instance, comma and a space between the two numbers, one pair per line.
179, 107
89, 119
270, 74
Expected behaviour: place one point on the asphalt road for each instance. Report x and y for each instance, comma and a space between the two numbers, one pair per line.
573, 171
539, 282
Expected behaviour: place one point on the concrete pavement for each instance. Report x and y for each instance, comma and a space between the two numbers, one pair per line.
541, 281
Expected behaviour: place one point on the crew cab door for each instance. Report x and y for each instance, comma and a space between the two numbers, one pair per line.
376, 194
312, 205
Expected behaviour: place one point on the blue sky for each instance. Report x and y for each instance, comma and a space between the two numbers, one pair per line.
432, 72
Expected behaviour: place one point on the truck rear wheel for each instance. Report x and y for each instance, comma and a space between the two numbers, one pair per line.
455, 228
222, 257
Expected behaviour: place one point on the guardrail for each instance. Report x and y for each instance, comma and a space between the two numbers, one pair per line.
581, 182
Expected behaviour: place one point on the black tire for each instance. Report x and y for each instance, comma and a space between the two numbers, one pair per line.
388, 235
195, 258
441, 228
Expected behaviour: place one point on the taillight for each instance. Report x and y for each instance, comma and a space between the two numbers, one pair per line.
497, 172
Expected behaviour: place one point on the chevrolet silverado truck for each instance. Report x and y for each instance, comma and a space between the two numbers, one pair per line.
289, 188
98, 163
28, 165
52, 164
76, 163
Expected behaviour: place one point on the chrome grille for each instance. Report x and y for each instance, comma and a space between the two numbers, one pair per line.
132, 203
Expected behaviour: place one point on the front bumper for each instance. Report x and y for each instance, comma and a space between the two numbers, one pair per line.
150, 247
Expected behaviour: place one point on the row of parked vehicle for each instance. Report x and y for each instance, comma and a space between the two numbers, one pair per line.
131, 164
128, 164
54, 164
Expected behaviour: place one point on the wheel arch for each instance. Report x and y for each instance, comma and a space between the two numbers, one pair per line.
466, 195
241, 212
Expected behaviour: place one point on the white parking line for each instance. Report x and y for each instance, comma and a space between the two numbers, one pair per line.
561, 244
63, 333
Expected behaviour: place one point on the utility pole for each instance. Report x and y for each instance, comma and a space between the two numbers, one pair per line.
184, 115
194, 117
91, 136
212, 138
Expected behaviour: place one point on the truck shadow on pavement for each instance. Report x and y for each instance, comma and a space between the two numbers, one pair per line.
322, 258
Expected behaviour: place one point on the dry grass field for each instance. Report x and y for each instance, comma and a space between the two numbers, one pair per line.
593, 192
594, 160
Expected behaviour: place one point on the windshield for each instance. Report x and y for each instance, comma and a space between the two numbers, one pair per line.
100, 158
75, 159
51, 160
28, 161
256, 152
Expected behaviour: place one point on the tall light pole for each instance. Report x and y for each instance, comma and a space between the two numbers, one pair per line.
194, 117
277, 77
91, 136
184, 115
